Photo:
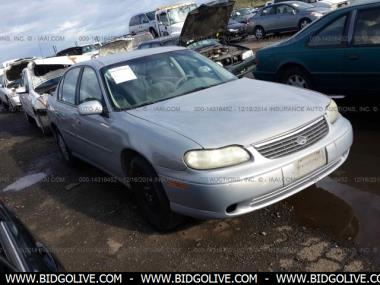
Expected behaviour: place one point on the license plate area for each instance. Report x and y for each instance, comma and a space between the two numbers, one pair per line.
304, 166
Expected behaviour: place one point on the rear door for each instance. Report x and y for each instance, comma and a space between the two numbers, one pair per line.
285, 18
362, 57
326, 52
66, 108
134, 24
268, 18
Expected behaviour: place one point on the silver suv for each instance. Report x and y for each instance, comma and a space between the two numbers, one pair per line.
144, 22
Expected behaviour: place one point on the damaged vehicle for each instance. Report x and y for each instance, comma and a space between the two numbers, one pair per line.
215, 156
11, 81
203, 32
39, 80
92, 49
124, 44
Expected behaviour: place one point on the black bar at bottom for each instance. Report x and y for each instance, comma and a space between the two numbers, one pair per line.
190, 278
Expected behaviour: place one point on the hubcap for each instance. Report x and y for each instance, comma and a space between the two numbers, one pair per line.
259, 33
304, 24
297, 80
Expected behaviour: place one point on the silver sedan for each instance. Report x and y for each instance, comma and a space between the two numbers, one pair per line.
192, 139
282, 17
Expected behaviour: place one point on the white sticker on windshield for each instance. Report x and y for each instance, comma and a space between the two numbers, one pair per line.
122, 74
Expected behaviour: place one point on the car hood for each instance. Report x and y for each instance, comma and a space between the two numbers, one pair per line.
206, 21
242, 112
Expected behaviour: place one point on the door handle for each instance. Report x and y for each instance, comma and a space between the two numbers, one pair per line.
353, 57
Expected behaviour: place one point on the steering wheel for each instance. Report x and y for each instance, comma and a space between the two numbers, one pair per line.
183, 80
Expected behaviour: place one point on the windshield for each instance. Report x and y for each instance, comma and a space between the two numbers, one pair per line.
148, 80
178, 15
302, 5
88, 48
203, 44
244, 12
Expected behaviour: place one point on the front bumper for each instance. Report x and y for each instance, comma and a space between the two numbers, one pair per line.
205, 196
244, 68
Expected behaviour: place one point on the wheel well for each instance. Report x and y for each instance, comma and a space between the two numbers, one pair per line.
126, 157
54, 129
304, 18
287, 66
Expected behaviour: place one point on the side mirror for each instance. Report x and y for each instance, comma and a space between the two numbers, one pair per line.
93, 107
21, 90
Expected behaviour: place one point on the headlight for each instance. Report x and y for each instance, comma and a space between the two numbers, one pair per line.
218, 62
316, 14
216, 158
233, 30
247, 54
332, 112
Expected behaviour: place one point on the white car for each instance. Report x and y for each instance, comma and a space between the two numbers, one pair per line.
39, 80
10, 81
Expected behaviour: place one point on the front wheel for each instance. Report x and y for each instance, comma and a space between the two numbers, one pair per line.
29, 119
297, 77
303, 23
259, 33
151, 196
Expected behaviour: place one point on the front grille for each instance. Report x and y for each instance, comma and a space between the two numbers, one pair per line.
294, 141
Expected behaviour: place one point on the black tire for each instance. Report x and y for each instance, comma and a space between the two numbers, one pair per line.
296, 76
151, 196
153, 32
10, 107
29, 119
303, 23
64, 150
259, 33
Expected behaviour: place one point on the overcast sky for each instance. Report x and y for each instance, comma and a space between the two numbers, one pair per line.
31, 28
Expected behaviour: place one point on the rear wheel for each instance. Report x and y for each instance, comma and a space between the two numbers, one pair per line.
296, 76
10, 106
259, 33
64, 150
151, 196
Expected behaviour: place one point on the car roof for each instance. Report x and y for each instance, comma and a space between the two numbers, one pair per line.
116, 58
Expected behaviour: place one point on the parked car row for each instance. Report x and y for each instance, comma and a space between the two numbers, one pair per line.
104, 111
338, 54
199, 33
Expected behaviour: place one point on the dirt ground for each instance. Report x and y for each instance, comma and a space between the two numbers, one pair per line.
93, 224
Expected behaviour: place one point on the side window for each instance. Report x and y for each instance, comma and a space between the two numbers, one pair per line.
163, 17
331, 35
367, 30
67, 93
134, 21
89, 87
268, 11
143, 19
